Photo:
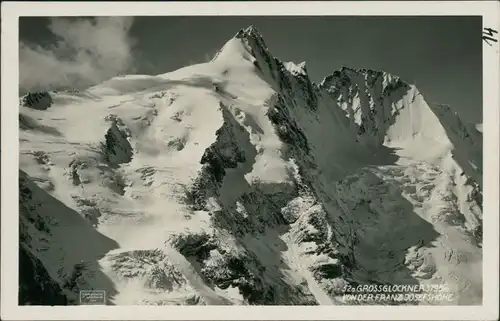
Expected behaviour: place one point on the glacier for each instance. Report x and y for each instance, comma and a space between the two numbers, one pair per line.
240, 181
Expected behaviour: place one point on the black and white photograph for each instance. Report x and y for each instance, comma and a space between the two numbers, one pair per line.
252, 160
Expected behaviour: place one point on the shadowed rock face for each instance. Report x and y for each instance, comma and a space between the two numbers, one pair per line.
376, 92
36, 286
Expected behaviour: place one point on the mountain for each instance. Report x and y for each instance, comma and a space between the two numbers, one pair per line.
241, 181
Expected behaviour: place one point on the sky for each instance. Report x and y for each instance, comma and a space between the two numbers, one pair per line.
441, 55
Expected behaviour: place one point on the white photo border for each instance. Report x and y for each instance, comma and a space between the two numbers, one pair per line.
11, 11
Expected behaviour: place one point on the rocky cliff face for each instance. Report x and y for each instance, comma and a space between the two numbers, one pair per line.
240, 181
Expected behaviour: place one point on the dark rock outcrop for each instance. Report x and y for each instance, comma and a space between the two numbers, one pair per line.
116, 148
37, 100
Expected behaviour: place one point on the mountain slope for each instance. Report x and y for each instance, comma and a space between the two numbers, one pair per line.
240, 181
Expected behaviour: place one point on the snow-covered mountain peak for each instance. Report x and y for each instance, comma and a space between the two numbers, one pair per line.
250, 31
387, 111
240, 181
252, 37
243, 44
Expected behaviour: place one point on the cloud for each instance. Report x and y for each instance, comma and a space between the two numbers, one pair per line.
87, 51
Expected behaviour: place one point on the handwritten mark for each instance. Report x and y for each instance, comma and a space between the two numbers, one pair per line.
488, 35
